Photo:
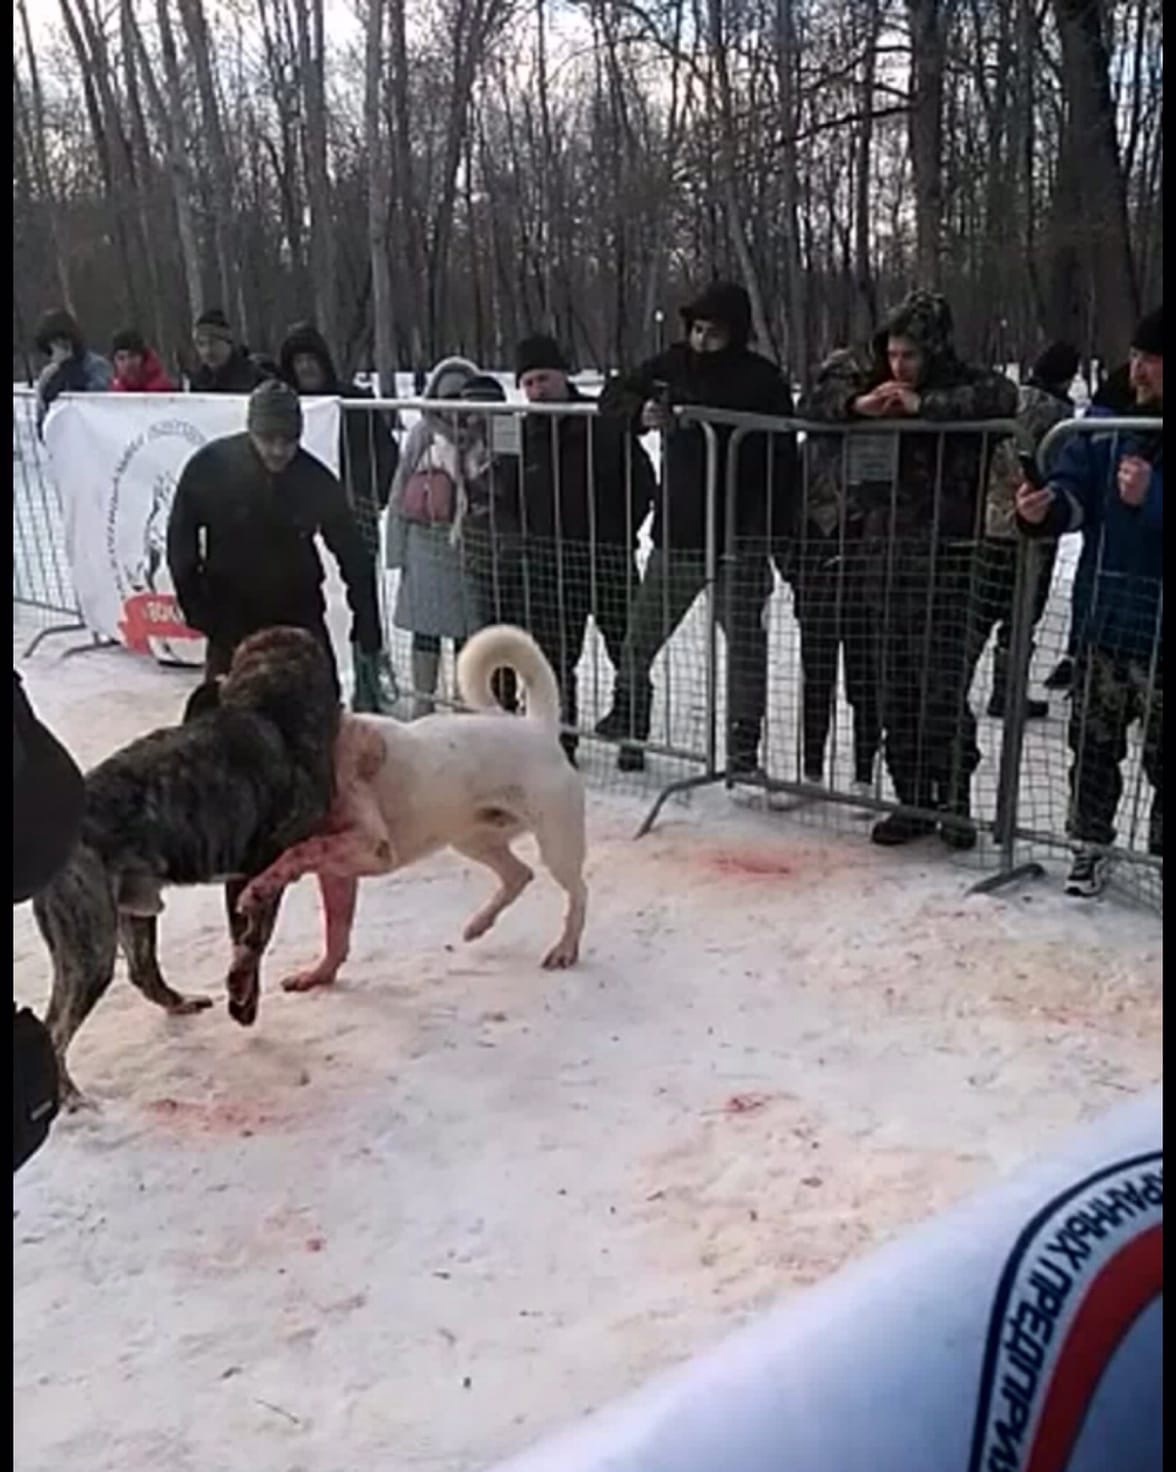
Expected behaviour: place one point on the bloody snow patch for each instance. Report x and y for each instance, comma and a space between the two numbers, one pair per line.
419, 1218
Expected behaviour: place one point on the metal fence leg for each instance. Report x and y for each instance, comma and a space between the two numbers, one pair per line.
1008, 787
96, 640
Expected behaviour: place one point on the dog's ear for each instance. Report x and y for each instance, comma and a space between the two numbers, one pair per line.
203, 699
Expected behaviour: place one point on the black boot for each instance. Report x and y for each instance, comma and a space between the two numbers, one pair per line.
900, 828
1061, 677
956, 828
1035, 710
743, 748
628, 723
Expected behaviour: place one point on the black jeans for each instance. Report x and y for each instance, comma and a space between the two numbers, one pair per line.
219, 653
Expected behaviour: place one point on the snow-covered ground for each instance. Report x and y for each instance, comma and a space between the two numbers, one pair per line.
418, 1220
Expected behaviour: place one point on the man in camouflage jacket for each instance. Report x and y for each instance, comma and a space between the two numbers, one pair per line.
915, 500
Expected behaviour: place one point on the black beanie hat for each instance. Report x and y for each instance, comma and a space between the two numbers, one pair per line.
274, 411
129, 340
213, 323
538, 352
483, 389
1148, 337
1057, 364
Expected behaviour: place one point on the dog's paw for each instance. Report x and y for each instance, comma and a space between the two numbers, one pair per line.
305, 981
477, 927
243, 1010
251, 900
562, 955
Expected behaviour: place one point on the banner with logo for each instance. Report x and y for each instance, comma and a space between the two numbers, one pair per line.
117, 460
1022, 1332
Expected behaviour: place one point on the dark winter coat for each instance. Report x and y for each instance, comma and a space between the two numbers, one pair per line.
734, 379
240, 375
83, 372
950, 389
368, 455
581, 478
47, 798
241, 550
1118, 588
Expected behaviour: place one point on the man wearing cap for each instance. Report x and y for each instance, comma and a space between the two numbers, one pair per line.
1110, 487
713, 367
584, 489
240, 540
226, 366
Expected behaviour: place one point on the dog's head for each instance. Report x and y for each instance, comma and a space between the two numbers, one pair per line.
284, 674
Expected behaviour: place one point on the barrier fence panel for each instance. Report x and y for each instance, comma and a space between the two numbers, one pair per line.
824, 612
42, 586
1095, 776
552, 517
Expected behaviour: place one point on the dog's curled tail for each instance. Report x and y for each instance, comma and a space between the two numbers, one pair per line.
502, 646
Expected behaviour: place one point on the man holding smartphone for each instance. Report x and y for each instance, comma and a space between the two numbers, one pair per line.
1110, 487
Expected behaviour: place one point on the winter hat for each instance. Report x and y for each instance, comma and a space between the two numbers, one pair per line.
129, 340
483, 389
538, 351
1057, 364
725, 302
1148, 337
924, 318
304, 337
58, 324
215, 324
274, 411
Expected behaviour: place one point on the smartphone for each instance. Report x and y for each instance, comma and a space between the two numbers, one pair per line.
1030, 469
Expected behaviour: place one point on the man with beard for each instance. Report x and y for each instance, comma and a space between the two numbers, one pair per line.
1110, 487
713, 367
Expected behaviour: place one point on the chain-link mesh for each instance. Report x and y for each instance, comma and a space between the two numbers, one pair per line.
42, 587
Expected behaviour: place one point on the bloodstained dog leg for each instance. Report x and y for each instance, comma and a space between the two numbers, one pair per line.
251, 934
351, 853
139, 936
339, 895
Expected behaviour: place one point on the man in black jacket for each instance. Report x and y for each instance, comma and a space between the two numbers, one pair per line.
47, 800
240, 540
712, 368
226, 366
368, 455
585, 487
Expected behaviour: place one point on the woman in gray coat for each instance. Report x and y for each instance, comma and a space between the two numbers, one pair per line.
435, 599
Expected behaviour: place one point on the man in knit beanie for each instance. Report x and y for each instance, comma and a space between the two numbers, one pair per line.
226, 366
241, 537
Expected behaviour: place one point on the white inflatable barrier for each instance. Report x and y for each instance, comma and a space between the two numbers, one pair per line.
1021, 1332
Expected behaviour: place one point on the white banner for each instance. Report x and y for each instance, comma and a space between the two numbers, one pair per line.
117, 459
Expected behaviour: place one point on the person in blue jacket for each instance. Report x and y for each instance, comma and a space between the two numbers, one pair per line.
1110, 486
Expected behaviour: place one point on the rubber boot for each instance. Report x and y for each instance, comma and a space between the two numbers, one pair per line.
425, 666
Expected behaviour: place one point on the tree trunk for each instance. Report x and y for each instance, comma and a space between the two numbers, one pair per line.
928, 27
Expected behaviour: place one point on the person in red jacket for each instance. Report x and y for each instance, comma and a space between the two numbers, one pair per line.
137, 369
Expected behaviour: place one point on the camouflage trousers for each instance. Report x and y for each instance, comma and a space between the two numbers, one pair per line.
1111, 693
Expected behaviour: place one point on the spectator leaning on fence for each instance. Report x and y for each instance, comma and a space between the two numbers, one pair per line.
241, 537
1042, 401
72, 368
1110, 487
226, 366
921, 517
137, 369
712, 368
585, 489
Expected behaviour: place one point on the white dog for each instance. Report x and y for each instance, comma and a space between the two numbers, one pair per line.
472, 782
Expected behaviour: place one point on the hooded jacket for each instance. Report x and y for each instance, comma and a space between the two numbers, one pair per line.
1118, 594
152, 380
82, 372
902, 499
367, 452
734, 379
451, 374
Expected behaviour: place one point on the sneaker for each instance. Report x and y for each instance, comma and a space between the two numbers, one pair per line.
900, 828
1088, 874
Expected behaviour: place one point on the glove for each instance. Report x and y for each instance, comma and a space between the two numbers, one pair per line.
375, 692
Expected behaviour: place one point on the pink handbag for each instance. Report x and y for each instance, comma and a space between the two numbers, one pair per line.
430, 497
